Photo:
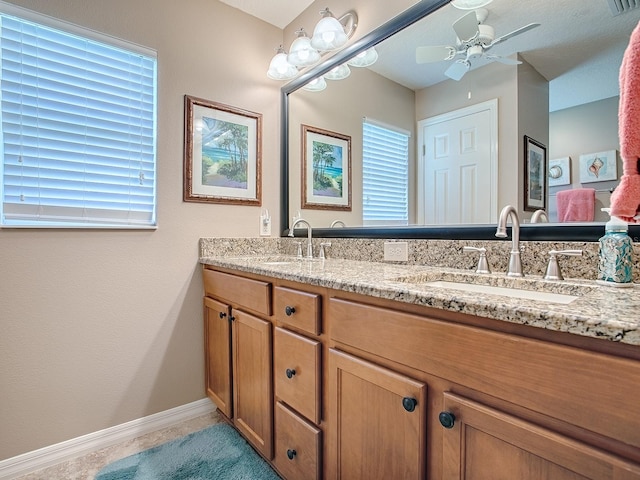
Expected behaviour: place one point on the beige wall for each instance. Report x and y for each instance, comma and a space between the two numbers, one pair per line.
102, 327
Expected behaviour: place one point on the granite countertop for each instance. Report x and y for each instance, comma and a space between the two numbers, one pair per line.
599, 311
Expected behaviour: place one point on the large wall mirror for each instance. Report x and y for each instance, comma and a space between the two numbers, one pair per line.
551, 88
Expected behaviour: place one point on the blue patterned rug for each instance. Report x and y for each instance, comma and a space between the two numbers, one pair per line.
217, 452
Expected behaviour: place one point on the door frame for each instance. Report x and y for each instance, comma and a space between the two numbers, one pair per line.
492, 107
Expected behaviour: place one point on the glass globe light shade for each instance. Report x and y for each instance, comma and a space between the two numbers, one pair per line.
316, 85
338, 73
301, 53
280, 68
364, 59
329, 33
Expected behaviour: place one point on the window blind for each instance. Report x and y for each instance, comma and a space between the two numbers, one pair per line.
78, 121
385, 175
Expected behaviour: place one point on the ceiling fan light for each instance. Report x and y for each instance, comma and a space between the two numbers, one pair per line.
280, 68
338, 73
301, 53
364, 59
316, 85
470, 4
329, 33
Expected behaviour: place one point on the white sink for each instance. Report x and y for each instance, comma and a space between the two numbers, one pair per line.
541, 296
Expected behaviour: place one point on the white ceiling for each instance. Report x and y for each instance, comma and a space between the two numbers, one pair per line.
578, 47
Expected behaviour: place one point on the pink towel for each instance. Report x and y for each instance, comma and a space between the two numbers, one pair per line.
577, 205
625, 200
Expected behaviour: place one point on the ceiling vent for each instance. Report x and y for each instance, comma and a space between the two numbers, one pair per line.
622, 6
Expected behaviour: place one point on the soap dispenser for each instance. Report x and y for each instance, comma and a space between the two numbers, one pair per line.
615, 255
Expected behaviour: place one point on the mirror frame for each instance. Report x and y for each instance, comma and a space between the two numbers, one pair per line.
581, 232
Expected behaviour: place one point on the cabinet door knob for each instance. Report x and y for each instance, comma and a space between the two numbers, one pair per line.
222, 314
290, 372
447, 419
232, 318
289, 310
291, 453
409, 404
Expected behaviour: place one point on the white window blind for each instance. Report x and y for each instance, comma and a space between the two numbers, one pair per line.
385, 158
78, 123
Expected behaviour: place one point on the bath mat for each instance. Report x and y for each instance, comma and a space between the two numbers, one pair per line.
217, 452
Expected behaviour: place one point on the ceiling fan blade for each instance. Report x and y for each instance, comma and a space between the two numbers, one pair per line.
466, 27
505, 60
520, 30
457, 70
435, 54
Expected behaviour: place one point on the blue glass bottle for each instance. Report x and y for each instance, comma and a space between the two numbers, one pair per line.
615, 265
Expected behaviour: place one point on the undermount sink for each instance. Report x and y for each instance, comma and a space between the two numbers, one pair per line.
525, 288
537, 295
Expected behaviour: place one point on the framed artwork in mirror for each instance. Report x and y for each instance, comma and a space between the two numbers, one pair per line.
326, 169
599, 167
535, 175
560, 171
222, 153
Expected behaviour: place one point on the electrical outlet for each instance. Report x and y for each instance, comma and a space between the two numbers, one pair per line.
396, 251
265, 226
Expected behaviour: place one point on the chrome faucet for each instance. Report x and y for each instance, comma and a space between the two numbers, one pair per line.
337, 223
538, 215
515, 264
309, 244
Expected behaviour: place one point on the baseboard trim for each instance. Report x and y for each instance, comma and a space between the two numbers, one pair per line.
60, 452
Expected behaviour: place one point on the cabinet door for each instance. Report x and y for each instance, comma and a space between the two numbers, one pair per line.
378, 428
217, 351
482, 443
252, 386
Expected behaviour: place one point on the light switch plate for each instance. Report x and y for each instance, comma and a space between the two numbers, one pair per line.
396, 251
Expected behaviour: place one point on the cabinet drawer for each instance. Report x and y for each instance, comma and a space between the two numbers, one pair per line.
298, 446
251, 294
296, 365
298, 309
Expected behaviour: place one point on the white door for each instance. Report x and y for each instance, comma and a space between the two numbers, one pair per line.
459, 166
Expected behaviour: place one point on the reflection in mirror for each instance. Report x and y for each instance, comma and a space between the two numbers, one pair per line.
560, 94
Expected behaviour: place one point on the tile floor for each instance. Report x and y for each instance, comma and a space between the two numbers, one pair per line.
86, 466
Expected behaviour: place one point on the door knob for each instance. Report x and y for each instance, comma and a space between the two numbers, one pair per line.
291, 453
222, 314
409, 404
289, 310
290, 372
447, 419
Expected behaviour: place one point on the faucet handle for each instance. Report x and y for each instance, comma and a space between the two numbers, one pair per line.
322, 253
483, 264
553, 269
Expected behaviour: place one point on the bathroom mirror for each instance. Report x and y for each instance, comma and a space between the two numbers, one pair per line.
431, 21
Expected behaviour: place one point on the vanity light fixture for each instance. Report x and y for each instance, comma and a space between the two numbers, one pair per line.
301, 53
280, 68
330, 33
364, 59
470, 4
316, 85
338, 73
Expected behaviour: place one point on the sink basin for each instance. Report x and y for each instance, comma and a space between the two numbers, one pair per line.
525, 288
276, 263
537, 295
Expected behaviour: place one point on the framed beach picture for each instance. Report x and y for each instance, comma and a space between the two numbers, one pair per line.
560, 171
222, 153
535, 175
326, 169
599, 167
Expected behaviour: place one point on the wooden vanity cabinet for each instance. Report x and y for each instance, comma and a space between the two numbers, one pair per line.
238, 354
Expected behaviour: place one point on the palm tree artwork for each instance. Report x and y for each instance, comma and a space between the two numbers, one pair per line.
224, 153
327, 170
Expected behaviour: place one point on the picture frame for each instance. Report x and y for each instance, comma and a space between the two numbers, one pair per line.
535, 175
559, 171
326, 169
222, 153
599, 166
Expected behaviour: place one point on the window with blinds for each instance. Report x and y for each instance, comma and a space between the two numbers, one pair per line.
385, 189
78, 119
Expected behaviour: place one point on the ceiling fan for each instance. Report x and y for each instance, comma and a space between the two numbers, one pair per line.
473, 39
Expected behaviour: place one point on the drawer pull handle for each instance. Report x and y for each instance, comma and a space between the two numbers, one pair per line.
291, 453
409, 404
447, 419
222, 314
290, 372
289, 310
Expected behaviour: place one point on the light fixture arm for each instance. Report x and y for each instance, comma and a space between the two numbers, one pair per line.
349, 21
